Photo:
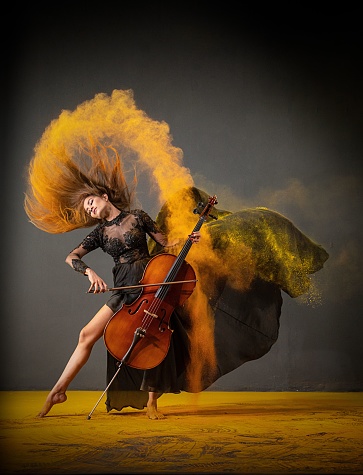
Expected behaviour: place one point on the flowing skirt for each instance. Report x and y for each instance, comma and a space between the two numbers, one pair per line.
245, 321
131, 386
246, 327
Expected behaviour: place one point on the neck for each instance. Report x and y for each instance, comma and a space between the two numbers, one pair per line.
114, 212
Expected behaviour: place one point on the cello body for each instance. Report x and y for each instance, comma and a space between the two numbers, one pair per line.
139, 334
147, 318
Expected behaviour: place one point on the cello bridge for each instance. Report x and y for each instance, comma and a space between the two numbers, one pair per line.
151, 314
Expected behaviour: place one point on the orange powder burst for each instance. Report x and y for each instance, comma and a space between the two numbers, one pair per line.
142, 142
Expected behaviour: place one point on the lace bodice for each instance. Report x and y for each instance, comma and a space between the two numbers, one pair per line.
124, 238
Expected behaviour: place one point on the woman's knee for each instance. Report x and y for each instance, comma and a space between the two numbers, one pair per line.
87, 337
94, 329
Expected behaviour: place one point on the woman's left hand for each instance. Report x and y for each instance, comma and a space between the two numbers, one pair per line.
195, 236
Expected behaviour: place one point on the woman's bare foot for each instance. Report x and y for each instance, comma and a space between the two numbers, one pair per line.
154, 414
52, 399
152, 411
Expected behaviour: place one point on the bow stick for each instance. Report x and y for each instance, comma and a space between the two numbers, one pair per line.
145, 285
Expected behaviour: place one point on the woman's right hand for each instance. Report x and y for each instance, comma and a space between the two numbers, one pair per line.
98, 285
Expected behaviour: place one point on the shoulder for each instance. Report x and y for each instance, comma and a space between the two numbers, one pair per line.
144, 219
140, 214
92, 239
96, 231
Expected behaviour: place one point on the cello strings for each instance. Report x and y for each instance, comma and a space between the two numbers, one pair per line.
163, 289
151, 312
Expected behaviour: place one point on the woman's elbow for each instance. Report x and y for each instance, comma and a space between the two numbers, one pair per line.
69, 259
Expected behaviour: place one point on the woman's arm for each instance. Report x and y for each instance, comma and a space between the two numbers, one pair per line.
74, 259
158, 236
194, 237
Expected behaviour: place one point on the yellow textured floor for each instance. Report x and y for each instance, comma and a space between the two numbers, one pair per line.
212, 432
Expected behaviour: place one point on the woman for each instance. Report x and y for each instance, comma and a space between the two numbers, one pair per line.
103, 197
257, 254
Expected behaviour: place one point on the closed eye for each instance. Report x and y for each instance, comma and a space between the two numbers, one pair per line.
89, 210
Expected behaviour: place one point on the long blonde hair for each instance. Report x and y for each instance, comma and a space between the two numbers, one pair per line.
58, 183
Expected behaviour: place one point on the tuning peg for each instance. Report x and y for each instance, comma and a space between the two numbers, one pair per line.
199, 205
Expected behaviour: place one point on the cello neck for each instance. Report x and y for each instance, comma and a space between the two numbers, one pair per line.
186, 248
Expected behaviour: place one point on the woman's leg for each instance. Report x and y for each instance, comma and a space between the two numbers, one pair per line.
87, 338
152, 407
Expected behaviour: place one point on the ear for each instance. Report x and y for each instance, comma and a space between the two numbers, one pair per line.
105, 197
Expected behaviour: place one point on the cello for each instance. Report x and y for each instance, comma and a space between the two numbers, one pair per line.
139, 334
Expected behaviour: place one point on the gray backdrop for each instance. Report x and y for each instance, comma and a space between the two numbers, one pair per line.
268, 113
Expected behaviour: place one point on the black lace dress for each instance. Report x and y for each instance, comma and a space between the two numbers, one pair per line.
125, 240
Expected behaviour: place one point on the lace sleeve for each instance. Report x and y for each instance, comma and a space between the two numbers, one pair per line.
152, 229
79, 266
88, 244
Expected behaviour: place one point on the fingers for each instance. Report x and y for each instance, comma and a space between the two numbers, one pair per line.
98, 287
95, 289
195, 236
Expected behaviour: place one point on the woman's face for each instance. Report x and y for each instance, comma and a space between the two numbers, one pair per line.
96, 206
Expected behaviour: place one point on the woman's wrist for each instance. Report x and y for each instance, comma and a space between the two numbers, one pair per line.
79, 266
